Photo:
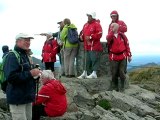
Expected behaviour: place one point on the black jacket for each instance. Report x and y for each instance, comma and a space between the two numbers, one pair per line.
21, 86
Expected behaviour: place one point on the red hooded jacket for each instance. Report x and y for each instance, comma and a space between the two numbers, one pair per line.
118, 46
53, 96
94, 30
50, 50
122, 25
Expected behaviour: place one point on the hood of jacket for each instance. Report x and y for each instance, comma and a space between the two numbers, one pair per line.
5, 49
115, 13
57, 85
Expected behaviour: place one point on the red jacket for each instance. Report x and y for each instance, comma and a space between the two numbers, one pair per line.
122, 25
94, 30
118, 47
52, 95
49, 50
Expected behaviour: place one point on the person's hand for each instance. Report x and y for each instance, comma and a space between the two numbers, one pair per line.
87, 38
81, 38
35, 72
129, 59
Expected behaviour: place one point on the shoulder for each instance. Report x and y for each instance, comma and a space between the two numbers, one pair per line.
120, 21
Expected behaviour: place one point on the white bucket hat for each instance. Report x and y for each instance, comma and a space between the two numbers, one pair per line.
93, 14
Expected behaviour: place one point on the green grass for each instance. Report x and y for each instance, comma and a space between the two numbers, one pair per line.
105, 104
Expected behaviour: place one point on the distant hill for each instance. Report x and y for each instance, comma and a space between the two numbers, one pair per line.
131, 68
38, 61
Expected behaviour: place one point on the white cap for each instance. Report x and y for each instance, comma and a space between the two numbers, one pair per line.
23, 35
93, 14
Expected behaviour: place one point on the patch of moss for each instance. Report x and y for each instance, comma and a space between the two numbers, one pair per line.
105, 104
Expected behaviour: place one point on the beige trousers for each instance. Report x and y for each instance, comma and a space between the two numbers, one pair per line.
69, 59
21, 112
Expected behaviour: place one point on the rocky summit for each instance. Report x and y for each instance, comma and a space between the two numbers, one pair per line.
90, 99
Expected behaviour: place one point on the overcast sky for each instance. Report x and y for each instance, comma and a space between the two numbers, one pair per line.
35, 16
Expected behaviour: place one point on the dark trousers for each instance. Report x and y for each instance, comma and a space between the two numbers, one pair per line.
92, 60
118, 70
38, 111
49, 66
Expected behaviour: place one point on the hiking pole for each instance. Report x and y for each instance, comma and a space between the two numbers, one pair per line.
37, 83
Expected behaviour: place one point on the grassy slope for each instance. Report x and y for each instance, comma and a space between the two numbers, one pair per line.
148, 78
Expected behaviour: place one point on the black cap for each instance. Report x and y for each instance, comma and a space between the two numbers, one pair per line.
59, 22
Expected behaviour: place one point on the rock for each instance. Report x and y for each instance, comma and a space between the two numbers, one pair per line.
128, 103
4, 115
101, 114
104, 68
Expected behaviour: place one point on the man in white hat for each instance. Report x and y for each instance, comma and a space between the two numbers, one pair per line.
21, 85
91, 34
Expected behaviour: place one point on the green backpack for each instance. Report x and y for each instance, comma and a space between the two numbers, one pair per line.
2, 76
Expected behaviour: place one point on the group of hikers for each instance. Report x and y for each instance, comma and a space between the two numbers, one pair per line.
22, 75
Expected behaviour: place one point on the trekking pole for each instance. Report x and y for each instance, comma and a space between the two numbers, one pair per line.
37, 83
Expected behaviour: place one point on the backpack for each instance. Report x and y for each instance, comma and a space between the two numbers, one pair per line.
3, 81
72, 35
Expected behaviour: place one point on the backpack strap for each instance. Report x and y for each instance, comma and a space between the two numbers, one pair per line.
17, 56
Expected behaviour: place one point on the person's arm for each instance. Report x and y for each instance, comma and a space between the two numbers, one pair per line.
55, 34
98, 33
63, 33
122, 27
54, 48
109, 37
43, 95
127, 47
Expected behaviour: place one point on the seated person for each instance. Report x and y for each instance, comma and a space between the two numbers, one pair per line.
51, 99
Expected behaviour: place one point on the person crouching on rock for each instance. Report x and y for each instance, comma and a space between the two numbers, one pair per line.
51, 99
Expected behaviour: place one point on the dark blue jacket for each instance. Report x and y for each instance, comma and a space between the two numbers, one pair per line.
21, 86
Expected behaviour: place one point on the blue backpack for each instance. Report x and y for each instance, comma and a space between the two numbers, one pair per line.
72, 35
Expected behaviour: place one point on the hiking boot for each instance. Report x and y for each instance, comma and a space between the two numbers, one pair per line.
92, 76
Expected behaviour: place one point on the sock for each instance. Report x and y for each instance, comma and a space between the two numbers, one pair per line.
84, 73
94, 73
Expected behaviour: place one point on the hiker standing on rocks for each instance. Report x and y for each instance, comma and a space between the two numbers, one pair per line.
60, 43
91, 34
21, 87
122, 26
70, 50
115, 19
49, 51
119, 52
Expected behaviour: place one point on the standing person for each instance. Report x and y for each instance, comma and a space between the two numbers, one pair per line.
51, 100
5, 50
49, 52
115, 19
70, 50
119, 52
122, 26
91, 34
60, 50
21, 88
